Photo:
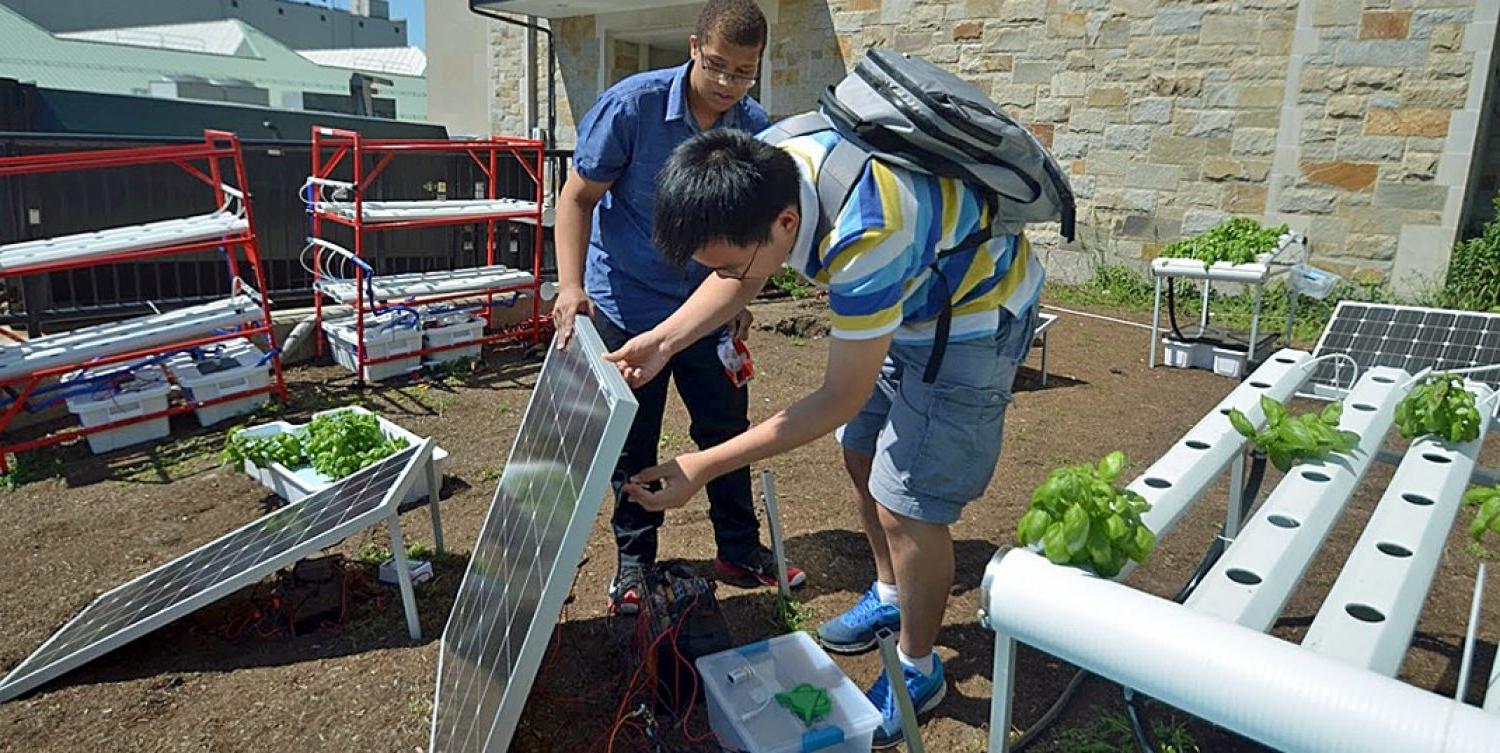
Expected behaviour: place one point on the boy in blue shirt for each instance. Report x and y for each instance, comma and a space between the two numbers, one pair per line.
609, 270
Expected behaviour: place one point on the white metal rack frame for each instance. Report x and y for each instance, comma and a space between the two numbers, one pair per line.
1255, 274
1210, 657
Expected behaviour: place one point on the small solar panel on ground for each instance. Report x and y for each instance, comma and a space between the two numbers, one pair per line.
1409, 338
221, 567
529, 548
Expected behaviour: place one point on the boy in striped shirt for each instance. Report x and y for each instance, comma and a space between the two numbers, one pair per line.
920, 439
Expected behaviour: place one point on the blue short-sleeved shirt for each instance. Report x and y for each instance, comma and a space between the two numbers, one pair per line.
625, 140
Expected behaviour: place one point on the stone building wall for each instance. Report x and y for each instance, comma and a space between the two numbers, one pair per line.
1353, 120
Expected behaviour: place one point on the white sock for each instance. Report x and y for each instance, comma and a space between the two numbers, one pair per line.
887, 593
923, 665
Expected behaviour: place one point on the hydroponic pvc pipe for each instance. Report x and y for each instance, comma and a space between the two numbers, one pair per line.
1258, 686
1258, 573
1369, 616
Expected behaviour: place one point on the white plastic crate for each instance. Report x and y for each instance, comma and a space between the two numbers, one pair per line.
1187, 355
451, 329
741, 686
293, 485
219, 371
385, 335
1229, 362
145, 391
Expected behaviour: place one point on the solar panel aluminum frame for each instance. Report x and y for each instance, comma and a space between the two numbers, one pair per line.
622, 408
1326, 391
13, 686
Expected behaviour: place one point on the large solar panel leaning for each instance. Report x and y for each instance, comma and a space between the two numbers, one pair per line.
121, 240
1405, 337
229, 563
438, 282
402, 211
105, 340
530, 546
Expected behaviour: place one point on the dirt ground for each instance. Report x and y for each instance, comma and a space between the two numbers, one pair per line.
355, 682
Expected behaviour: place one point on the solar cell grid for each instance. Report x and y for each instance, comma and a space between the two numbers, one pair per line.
220, 567
532, 540
1408, 338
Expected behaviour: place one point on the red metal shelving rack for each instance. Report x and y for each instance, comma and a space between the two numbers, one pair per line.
217, 148
339, 144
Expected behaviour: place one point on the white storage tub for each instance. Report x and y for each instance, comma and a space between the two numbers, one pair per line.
386, 335
142, 392
219, 371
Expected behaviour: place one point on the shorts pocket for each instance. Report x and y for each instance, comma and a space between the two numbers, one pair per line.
960, 444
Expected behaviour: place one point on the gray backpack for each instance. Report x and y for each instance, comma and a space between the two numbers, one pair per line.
908, 112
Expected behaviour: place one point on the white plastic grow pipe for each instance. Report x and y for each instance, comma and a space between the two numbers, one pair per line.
1371, 612
1251, 583
1179, 477
1256, 685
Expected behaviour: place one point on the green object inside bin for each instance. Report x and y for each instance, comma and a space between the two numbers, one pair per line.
807, 702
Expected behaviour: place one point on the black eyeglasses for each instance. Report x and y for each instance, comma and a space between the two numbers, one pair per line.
730, 273
723, 75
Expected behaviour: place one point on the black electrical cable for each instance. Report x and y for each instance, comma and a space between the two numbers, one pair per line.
1249, 491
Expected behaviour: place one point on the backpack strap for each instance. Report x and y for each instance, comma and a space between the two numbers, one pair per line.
972, 241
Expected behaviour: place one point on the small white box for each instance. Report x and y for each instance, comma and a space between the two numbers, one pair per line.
451, 329
421, 571
1187, 355
741, 685
219, 371
385, 335
117, 397
1229, 362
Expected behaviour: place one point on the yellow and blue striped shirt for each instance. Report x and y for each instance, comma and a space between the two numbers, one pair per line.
875, 262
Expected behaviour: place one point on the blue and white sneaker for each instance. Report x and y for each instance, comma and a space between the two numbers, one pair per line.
854, 631
926, 691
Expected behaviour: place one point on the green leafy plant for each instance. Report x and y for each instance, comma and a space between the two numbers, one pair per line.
792, 615
341, 443
795, 285
284, 448
1487, 516
1238, 240
1289, 440
1079, 517
1439, 406
1473, 280
334, 444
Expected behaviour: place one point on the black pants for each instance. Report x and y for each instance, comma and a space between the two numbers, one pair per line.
718, 412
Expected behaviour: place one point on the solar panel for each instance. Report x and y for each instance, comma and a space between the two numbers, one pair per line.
1409, 338
529, 548
222, 567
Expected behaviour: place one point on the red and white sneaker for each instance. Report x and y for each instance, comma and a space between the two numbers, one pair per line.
627, 590
758, 570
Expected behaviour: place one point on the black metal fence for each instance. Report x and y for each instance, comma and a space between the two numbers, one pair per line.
48, 205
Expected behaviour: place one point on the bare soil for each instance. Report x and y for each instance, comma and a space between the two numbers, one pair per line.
354, 682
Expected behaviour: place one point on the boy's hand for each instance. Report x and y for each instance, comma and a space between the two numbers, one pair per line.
678, 479
739, 327
571, 302
641, 358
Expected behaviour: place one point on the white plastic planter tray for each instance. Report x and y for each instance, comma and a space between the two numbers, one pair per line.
104, 340
120, 240
222, 370
401, 211
145, 392
385, 335
451, 329
292, 485
441, 282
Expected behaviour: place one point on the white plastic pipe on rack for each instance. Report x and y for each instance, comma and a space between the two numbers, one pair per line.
1256, 685
1179, 477
1370, 614
1251, 583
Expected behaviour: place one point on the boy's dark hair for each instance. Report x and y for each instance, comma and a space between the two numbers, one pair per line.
738, 22
723, 185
